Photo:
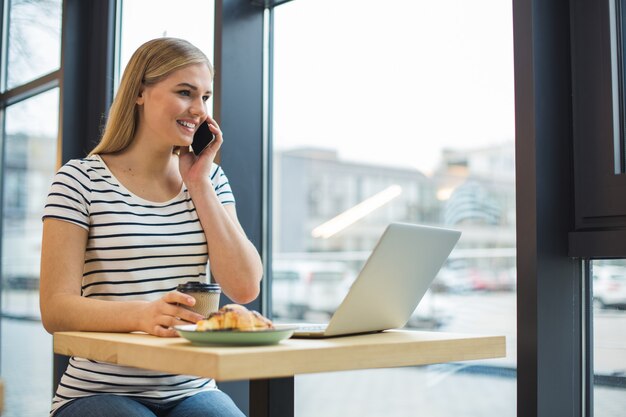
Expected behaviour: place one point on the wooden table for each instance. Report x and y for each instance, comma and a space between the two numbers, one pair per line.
272, 368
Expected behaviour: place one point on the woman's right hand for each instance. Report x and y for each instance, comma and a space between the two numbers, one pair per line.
160, 316
197, 169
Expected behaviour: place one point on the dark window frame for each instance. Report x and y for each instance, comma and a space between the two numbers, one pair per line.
238, 106
599, 229
599, 157
549, 280
87, 64
571, 199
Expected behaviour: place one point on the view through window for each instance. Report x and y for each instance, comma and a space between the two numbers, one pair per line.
401, 111
28, 164
34, 43
609, 337
27, 175
143, 20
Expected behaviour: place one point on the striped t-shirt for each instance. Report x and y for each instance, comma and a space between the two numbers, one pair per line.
136, 250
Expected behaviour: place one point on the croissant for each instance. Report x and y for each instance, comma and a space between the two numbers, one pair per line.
234, 317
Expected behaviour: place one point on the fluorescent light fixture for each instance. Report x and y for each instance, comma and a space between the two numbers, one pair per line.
444, 194
353, 214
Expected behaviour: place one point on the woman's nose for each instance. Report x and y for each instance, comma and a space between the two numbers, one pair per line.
198, 108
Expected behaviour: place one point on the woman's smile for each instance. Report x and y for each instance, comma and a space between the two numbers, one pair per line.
187, 125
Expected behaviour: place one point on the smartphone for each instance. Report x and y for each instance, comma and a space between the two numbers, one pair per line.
201, 138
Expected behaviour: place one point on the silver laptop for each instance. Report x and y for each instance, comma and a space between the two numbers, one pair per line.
391, 284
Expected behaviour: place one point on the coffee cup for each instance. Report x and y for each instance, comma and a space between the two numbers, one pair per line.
207, 296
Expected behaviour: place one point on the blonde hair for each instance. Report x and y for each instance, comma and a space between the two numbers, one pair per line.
151, 62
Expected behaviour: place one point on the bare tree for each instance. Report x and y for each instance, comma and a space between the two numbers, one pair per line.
34, 25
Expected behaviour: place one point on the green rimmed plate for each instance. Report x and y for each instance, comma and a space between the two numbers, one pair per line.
236, 337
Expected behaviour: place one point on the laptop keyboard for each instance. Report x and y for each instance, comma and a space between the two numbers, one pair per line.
312, 327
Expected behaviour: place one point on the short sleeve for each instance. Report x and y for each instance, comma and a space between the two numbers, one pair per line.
69, 196
221, 185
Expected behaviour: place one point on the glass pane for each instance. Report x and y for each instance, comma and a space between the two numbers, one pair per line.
617, 21
609, 337
29, 166
34, 40
408, 116
143, 20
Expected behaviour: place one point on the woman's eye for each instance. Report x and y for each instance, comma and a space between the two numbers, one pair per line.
205, 98
185, 93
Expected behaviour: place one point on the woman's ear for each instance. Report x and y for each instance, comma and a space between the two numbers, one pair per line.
139, 100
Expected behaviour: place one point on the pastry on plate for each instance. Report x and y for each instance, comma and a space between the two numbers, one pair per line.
234, 317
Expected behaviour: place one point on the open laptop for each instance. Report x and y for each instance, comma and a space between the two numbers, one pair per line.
391, 284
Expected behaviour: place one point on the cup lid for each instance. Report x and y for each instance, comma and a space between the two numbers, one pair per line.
198, 286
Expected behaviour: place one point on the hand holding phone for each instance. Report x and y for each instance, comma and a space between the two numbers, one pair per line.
201, 138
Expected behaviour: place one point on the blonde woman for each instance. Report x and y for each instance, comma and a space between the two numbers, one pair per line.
124, 226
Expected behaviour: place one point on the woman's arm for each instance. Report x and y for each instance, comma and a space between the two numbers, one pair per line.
64, 309
234, 260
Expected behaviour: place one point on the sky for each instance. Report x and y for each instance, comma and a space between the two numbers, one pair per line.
389, 82
393, 84
143, 20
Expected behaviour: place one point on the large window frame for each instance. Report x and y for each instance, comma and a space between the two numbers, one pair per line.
598, 138
549, 280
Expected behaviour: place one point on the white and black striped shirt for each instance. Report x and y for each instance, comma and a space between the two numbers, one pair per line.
136, 250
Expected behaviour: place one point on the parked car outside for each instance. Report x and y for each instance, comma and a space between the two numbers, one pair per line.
431, 313
300, 287
609, 286
460, 280
453, 280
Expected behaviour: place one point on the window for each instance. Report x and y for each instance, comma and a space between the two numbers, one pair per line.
27, 175
600, 181
34, 40
618, 70
143, 20
598, 109
28, 170
410, 114
29, 106
609, 347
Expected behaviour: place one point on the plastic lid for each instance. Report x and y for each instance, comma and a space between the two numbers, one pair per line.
197, 286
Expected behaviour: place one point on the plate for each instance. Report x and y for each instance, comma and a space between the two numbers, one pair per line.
235, 337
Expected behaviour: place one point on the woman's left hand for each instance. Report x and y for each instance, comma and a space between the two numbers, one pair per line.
196, 168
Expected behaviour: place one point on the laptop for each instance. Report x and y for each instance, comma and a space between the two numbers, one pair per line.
392, 282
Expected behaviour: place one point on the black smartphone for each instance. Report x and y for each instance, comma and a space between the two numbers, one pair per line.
201, 138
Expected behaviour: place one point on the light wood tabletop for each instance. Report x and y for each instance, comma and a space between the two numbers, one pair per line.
290, 357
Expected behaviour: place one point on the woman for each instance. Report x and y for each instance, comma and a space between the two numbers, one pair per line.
124, 226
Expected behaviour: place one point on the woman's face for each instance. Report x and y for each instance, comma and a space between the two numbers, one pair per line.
171, 110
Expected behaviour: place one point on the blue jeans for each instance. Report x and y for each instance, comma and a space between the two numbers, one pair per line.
204, 404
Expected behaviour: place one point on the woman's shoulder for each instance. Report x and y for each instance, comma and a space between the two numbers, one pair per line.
87, 167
